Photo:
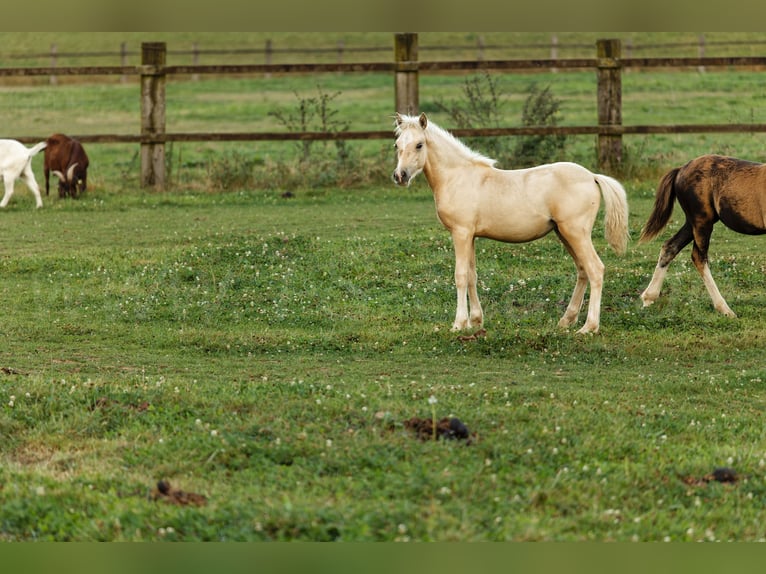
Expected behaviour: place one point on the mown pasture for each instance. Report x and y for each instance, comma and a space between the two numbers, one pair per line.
264, 349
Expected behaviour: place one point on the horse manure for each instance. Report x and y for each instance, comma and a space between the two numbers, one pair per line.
172, 495
448, 428
720, 474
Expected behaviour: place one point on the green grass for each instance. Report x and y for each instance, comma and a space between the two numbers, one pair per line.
265, 351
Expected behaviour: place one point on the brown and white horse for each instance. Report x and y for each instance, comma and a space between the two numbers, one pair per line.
475, 199
709, 188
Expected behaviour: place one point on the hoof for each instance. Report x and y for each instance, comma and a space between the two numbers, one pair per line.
647, 299
462, 326
587, 331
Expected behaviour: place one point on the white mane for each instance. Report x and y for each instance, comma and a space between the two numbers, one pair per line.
434, 132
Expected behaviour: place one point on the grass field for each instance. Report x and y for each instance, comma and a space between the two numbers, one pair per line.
264, 351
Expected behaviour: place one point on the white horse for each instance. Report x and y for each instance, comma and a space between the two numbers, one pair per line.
475, 199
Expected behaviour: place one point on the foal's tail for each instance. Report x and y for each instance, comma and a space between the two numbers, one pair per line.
616, 208
663, 206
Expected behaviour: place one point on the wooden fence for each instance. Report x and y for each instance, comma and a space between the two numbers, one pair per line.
405, 68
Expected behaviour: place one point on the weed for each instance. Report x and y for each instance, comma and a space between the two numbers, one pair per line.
315, 114
318, 163
231, 171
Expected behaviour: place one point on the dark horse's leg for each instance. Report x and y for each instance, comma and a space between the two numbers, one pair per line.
702, 232
670, 249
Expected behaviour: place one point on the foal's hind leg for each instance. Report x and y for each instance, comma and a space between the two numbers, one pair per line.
670, 249
590, 269
699, 257
578, 295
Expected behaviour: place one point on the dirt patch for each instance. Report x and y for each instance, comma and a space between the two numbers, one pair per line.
107, 403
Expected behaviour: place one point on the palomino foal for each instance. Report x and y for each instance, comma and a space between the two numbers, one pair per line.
475, 199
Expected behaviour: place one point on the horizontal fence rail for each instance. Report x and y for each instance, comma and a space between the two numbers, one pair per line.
405, 67
457, 65
387, 134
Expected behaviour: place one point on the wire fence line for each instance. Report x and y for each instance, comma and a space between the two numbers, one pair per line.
271, 51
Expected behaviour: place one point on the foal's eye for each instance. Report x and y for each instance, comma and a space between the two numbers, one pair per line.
419, 146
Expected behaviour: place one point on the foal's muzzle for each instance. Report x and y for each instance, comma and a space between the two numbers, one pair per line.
401, 177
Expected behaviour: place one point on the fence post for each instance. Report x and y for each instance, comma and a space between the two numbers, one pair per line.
195, 59
406, 74
54, 62
123, 60
268, 52
153, 56
609, 103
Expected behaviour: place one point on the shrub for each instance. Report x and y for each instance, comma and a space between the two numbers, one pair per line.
481, 107
541, 108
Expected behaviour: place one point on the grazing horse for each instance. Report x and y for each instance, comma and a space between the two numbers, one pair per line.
475, 199
709, 188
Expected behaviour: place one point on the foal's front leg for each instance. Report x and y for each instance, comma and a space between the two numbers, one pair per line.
670, 249
699, 257
465, 282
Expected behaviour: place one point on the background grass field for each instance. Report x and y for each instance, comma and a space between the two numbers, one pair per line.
264, 351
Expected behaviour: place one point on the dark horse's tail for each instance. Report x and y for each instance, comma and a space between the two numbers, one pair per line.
663, 206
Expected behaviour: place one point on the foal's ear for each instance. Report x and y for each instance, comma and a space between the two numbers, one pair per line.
423, 120
398, 118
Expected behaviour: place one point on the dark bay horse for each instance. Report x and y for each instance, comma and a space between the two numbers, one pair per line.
709, 188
